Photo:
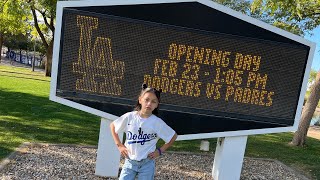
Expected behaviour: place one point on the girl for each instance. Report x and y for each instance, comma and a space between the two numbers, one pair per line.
143, 129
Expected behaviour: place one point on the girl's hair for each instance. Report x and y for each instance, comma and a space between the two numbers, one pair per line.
144, 90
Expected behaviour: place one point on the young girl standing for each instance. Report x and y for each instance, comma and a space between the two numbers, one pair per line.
143, 129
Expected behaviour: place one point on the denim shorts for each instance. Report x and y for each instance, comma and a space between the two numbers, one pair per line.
143, 170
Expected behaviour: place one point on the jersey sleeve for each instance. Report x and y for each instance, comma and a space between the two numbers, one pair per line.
164, 131
120, 124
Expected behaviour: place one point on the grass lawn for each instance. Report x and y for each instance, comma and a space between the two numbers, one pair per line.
275, 146
27, 115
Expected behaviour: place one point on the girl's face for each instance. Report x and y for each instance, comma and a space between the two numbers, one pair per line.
149, 102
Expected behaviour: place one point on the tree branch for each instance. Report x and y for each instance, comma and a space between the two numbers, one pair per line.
45, 20
36, 25
311, 14
2, 5
52, 25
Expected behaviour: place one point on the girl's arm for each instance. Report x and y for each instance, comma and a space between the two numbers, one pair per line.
166, 146
163, 148
122, 149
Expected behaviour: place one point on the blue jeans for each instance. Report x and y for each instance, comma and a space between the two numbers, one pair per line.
143, 169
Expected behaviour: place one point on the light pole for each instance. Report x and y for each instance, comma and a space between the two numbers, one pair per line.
34, 55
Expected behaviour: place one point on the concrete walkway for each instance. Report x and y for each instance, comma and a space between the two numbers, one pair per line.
314, 132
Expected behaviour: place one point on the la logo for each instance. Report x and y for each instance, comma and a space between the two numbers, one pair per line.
96, 62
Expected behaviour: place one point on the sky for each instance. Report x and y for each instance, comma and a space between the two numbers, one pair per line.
315, 38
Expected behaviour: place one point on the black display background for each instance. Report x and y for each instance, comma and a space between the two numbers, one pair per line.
139, 43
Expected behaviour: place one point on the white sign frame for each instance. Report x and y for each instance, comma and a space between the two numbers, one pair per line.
209, 3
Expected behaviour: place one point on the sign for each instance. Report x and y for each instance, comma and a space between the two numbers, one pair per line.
213, 80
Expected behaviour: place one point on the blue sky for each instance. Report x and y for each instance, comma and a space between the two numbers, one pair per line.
315, 38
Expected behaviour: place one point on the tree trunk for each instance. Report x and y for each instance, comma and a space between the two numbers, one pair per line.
1, 43
49, 59
299, 138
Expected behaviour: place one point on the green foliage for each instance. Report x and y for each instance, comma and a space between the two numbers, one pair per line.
13, 17
297, 17
49, 6
39, 47
242, 6
19, 41
313, 75
47, 9
16, 19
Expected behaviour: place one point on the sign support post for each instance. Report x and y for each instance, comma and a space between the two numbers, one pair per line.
108, 156
228, 158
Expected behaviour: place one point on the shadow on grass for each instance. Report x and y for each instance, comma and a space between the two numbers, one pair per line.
28, 118
20, 77
26, 74
4, 152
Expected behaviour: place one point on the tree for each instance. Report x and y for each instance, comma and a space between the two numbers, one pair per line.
299, 17
299, 137
313, 75
48, 12
30, 9
19, 41
245, 7
242, 6
13, 19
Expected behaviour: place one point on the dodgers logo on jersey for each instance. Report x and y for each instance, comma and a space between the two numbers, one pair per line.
140, 137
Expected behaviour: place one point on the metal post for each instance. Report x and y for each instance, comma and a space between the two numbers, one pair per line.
34, 55
108, 156
228, 158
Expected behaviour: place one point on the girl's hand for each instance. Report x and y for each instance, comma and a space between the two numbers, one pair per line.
154, 154
123, 151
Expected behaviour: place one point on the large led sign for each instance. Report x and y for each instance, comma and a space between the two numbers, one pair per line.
212, 81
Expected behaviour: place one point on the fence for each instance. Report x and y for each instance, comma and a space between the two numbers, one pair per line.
26, 58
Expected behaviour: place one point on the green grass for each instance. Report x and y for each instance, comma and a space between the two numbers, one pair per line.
27, 115
275, 146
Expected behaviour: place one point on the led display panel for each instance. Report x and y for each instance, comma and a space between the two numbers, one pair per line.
213, 77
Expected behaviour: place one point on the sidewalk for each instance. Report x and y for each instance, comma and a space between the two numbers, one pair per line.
314, 132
